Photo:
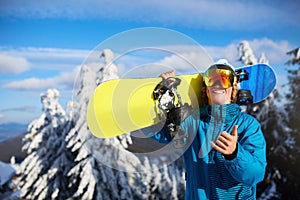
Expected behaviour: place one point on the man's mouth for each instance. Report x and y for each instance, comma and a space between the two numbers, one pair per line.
218, 91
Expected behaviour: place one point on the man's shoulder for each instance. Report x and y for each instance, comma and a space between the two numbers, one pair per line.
248, 119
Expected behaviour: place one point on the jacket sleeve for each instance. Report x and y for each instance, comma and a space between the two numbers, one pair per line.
249, 165
161, 133
158, 132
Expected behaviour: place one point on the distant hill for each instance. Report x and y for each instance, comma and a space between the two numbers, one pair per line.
11, 130
12, 147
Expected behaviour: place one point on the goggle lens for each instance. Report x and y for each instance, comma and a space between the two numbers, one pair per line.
222, 76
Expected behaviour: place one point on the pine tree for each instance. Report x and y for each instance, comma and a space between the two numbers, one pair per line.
104, 168
293, 97
65, 161
246, 55
92, 174
276, 131
283, 156
289, 160
283, 180
45, 168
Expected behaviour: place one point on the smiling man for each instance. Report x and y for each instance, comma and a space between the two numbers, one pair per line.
227, 157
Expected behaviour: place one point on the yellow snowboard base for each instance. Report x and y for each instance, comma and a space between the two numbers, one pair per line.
125, 105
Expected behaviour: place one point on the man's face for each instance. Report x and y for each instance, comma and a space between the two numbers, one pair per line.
219, 83
218, 95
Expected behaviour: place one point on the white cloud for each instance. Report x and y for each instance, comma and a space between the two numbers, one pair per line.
151, 63
213, 14
184, 59
1, 116
189, 58
191, 62
12, 64
63, 80
229, 52
44, 58
275, 51
51, 53
25, 108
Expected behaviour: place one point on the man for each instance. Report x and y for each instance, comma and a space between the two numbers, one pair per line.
227, 157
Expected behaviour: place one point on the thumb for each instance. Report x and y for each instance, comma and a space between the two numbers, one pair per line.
234, 131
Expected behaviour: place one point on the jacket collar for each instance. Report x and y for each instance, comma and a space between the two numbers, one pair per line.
224, 113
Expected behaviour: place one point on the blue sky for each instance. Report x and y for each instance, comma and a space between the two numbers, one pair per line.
43, 43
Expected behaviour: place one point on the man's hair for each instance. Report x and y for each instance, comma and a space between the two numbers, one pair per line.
234, 91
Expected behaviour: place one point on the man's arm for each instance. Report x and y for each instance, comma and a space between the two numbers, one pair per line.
249, 164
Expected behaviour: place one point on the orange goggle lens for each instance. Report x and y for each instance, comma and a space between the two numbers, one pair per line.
215, 76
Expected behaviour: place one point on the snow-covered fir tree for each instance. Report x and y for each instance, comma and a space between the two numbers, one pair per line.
104, 168
44, 170
288, 158
109, 70
65, 161
263, 59
296, 57
293, 97
276, 130
246, 55
283, 156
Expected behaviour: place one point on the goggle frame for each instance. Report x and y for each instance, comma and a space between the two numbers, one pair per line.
219, 73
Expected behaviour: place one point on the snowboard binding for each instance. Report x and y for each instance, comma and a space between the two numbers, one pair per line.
169, 101
242, 75
244, 97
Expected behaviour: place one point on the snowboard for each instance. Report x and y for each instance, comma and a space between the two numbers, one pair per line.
125, 105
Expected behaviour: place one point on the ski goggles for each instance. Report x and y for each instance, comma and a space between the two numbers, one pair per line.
214, 76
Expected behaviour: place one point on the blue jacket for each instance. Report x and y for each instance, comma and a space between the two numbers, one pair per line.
209, 174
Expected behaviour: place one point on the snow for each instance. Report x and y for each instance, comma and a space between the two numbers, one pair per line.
246, 54
110, 70
296, 56
65, 161
263, 59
